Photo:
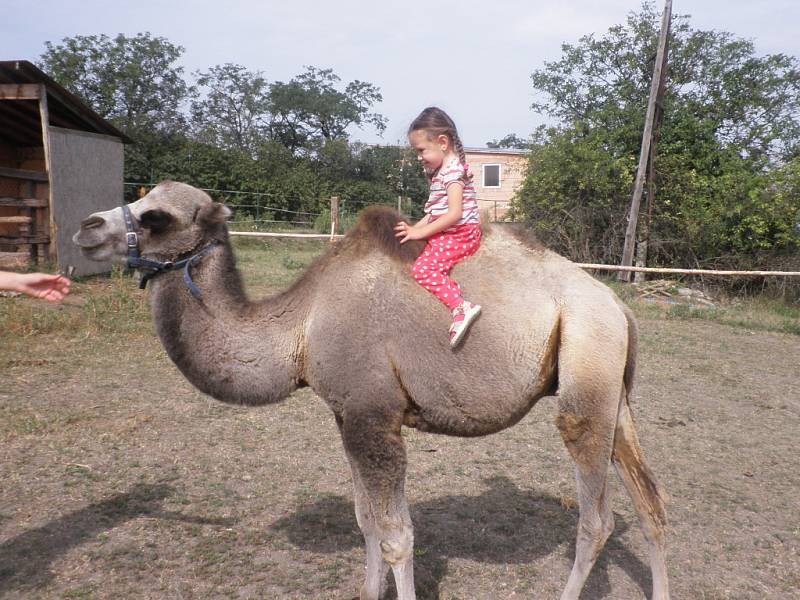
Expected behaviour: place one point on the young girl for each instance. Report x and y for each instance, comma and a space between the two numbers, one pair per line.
451, 223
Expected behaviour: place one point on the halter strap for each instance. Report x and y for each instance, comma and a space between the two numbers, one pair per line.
155, 267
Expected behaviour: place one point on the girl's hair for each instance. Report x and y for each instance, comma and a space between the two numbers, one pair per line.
435, 122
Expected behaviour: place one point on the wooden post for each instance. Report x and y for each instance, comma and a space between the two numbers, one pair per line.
50, 250
641, 259
644, 238
633, 216
334, 216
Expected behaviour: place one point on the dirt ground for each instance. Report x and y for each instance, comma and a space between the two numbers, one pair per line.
119, 480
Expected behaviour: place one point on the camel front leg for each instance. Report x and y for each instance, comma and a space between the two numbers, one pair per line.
377, 569
377, 458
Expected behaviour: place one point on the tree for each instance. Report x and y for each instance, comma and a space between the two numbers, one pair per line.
731, 123
511, 140
131, 81
309, 108
233, 111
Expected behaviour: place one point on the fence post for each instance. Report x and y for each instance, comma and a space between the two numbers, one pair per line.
334, 216
641, 260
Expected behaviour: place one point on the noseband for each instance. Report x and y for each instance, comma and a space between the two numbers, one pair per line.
150, 267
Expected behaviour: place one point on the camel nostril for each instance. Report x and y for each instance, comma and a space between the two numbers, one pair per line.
92, 222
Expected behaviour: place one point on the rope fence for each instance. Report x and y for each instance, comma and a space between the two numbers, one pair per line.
255, 206
336, 207
690, 271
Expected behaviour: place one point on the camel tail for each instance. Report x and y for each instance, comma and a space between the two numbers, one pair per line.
642, 486
633, 348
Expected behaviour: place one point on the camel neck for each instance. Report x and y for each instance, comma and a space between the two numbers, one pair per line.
229, 347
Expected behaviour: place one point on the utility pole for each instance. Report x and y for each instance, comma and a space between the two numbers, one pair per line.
655, 85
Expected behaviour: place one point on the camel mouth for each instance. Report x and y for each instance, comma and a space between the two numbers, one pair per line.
88, 247
85, 245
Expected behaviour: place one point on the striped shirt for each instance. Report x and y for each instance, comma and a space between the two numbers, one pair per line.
451, 173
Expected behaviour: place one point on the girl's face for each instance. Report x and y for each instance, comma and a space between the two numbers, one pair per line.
430, 152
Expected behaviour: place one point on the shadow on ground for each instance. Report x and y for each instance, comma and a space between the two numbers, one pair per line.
503, 525
25, 559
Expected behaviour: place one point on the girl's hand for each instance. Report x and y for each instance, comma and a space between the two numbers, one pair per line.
405, 232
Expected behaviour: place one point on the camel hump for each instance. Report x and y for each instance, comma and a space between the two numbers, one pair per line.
374, 230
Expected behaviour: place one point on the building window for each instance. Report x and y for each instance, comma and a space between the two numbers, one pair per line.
491, 176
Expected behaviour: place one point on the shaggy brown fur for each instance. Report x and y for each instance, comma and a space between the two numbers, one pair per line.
374, 230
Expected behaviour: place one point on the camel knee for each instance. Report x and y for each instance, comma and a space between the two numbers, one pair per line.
398, 548
581, 438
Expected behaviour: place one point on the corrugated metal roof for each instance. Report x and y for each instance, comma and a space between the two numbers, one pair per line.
20, 123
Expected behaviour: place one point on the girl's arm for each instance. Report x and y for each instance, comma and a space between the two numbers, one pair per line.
425, 228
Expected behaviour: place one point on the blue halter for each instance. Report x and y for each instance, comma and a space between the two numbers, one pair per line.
151, 267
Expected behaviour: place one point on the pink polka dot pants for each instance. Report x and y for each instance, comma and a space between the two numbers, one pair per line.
444, 250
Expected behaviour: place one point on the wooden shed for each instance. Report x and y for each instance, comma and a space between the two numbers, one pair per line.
59, 161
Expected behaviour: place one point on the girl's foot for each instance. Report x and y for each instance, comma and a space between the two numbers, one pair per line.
463, 316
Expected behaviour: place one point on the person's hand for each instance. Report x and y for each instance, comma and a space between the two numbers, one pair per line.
405, 232
43, 285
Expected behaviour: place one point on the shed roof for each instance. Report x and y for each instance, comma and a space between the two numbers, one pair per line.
514, 151
20, 123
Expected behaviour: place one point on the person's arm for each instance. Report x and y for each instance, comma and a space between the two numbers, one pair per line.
37, 285
402, 228
455, 195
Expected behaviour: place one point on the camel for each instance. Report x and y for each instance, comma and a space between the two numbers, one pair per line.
372, 343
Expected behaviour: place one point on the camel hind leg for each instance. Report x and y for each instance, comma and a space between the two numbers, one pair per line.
587, 429
643, 489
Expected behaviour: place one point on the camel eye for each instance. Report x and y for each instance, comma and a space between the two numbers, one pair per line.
157, 221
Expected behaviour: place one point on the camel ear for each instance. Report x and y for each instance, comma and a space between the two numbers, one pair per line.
213, 214
157, 221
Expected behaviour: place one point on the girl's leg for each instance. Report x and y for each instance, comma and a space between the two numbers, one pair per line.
443, 251
432, 268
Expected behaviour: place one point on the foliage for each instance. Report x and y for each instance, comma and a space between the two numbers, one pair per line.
511, 140
233, 112
131, 81
726, 174
573, 193
286, 141
309, 109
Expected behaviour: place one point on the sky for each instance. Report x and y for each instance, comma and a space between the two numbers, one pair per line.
472, 58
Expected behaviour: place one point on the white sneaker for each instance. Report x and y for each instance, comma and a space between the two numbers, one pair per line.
463, 316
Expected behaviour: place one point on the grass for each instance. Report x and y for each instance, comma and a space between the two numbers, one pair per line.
273, 264
114, 304
754, 313
102, 304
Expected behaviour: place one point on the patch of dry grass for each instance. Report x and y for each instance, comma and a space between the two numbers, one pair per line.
753, 313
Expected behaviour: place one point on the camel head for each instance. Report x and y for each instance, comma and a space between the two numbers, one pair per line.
173, 220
